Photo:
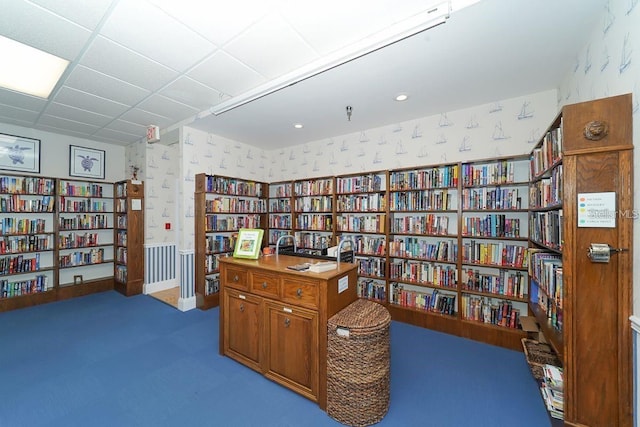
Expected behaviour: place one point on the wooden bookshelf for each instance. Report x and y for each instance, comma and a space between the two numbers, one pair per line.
129, 237
223, 205
585, 312
314, 214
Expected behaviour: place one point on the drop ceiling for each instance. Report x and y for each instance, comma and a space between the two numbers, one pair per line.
169, 63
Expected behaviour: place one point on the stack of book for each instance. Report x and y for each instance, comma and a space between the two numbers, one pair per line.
552, 391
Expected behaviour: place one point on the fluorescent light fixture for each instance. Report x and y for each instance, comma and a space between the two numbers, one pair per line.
29, 70
298, 126
417, 23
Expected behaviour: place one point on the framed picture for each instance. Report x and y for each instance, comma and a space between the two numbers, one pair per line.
18, 153
86, 162
248, 243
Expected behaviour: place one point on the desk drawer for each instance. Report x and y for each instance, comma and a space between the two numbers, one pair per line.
264, 284
300, 292
236, 278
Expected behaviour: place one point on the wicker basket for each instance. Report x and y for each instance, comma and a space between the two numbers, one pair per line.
539, 354
358, 364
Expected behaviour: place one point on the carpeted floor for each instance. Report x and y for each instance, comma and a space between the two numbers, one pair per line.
108, 360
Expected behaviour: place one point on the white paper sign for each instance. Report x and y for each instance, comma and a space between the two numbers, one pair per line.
136, 204
343, 284
597, 210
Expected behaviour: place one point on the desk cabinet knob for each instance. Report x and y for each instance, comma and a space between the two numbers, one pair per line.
241, 307
235, 278
287, 322
299, 292
264, 285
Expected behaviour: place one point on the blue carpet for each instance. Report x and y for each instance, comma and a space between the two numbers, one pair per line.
107, 360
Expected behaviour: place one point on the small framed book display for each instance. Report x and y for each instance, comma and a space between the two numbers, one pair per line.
248, 243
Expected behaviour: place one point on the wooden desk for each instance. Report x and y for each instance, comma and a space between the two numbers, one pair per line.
274, 320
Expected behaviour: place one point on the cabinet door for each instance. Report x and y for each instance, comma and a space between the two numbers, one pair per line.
292, 348
242, 327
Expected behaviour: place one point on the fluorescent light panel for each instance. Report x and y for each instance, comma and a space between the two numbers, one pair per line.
29, 70
420, 22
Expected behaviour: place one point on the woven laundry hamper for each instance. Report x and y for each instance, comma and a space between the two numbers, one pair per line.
358, 364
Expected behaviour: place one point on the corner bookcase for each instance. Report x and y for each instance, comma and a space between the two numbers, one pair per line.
223, 205
129, 237
581, 187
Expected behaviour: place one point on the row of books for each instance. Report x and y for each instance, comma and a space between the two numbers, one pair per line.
120, 273
12, 225
431, 200
16, 203
546, 269
274, 235
434, 301
17, 244
121, 189
40, 283
495, 254
211, 263
312, 240
361, 223
361, 202
547, 192
548, 154
280, 221
280, 190
220, 243
121, 221
80, 190
211, 285
372, 267
121, 255
415, 247
546, 228
93, 256
84, 222
367, 245
235, 205
19, 264
486, 198
76, 240
280, 205
26, 185
495, 173
491, 225
552, 390
231, 223
313, 204
438, 177
508, 283
371, 289
232, 186
314, 222
120, 205
423, 224
313, 187
121, 238
86, 205
425, 273
483, 310
359, 184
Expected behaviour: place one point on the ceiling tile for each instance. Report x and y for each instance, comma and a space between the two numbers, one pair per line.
54, 34
166, 107
96, 83
77, 10
124, 64
10, 112
62, 123
154, 34
21, 100
192, 93
77, 114
145, 118
271, 47
127, 127
226, 75
207, 18
121, 137
89, 102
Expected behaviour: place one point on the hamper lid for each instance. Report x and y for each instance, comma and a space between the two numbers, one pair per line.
361, 314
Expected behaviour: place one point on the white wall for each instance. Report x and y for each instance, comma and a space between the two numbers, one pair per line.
54, 152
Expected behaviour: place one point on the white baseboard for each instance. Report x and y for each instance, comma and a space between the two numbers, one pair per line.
186, 304
150, 288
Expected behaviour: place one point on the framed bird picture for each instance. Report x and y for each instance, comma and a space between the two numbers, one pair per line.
86, 162
18, 153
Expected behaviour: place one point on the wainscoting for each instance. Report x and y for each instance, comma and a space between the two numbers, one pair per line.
160, 267
187, 299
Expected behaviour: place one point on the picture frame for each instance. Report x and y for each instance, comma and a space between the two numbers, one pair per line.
86, 162
19, 153
248, 243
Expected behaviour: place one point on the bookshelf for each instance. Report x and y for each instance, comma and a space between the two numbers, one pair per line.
494, 235
223, 205
583, 307
361, 217
280, 216
313, 208
129, 237
28, 273
85, 237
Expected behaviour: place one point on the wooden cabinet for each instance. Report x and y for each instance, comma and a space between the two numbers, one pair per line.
129, 237
590, 327
274, 320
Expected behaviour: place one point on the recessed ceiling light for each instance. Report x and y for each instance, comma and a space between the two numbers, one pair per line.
298, 126
30, 70
402, 97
